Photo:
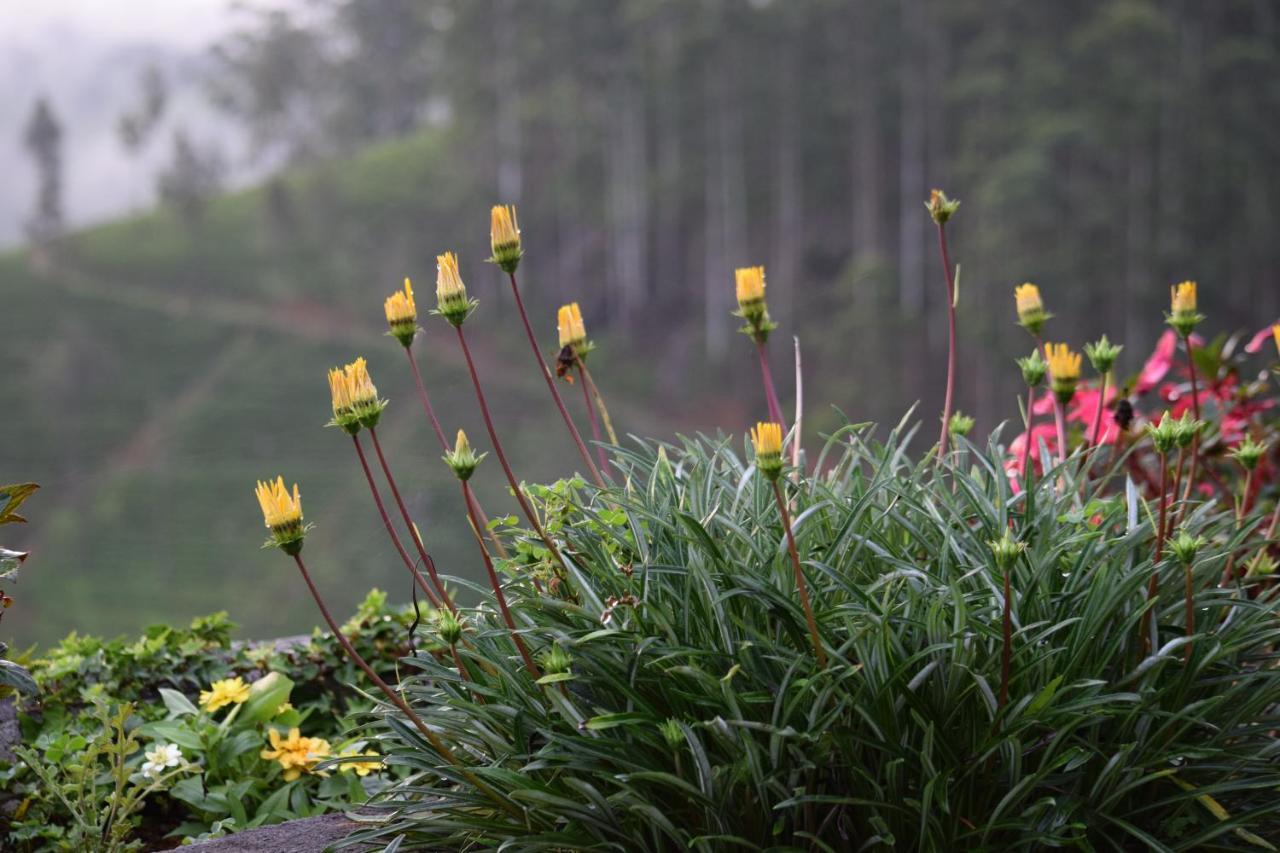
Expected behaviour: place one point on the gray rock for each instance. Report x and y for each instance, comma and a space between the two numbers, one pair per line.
308, 835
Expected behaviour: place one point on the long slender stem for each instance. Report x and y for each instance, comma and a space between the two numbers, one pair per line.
551, 386
1061, 425
426, 401
393, 697
770, 392
502, 456
1195, 410
1153, 585
391, 531
1006, 656
408, 522
444, 446
1026, 445
1096, 441
801, 587
591, 416
599, 398
1242, 509
501, 598
1173, 496
951, 342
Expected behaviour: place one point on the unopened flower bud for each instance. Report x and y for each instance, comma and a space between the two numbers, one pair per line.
462, 459
1183, 315
1102, 354
282, 514
1031, 313
504, 238
940, 207
766, 438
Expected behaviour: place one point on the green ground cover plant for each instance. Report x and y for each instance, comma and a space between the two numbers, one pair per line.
183, 733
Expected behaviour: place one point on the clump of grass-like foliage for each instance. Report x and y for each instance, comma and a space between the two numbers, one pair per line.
680, 705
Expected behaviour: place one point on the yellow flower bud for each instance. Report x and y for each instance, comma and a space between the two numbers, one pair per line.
1275, 333
766, 438
569, 322
749, 284
504, 237
402, 314
282, 514
1031, 313
1183, 315
1064, 371
451, 293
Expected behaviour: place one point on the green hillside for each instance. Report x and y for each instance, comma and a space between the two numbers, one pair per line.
159, 369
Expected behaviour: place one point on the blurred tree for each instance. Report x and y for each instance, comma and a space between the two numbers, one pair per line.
192, 177
136, 125
43, 141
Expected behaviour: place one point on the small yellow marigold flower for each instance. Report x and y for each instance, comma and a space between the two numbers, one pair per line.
451, 294
282, 514
766, 438
1064, 371
360, 763
1183, 315
462, 459
1031, 313
504, 237
573, 333
228, 691
295, 753
1275, 333
402, 314
749, 286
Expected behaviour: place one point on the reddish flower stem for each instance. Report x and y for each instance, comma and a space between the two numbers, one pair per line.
502, 457
501, 598
426, 401
444, 446
951, 342
801, 587
770, 391
1026, 445
394, 698
591, 416
1061, 425
551, 386
408, 522
1195, 410
1153, 585
391, 531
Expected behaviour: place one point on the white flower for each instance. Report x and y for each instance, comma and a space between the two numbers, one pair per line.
162, 756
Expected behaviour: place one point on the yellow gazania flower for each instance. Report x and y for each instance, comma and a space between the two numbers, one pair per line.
1183, 315
339, 393
749, 283
569, 322
1182, 298
1031, 313
402, 314
294, 753
749, 286
359, 385
766, 438
1064, 370
360, 763
228, 691
504, 237
1275, 333
451, 294
282, 514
